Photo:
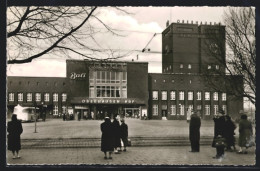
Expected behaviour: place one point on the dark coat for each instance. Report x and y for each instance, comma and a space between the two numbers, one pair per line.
14, 129
116, 133
219, 126
194, 128
229, 132
245, 132
107, 141
124, 130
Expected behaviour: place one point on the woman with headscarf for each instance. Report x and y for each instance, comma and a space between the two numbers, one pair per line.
14, 129
107, 142
116, 134
245, 133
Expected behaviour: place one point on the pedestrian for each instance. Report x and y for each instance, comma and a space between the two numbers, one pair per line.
245, 133
229, 133
219, 128
44, 116
194, 132
124, 134
14, 129
107, 144
64, 116
79, 116
92, 115
188, 115
116, 134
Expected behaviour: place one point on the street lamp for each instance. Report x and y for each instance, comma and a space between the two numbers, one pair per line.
35, 117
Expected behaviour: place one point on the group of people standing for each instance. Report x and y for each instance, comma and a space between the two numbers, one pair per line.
224, 132
112, 134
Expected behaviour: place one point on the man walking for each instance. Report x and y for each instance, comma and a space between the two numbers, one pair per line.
194, 132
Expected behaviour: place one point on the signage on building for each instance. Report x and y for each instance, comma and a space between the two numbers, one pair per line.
108, 101
75, 75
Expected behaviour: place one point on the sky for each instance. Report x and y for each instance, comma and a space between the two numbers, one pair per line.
138, 28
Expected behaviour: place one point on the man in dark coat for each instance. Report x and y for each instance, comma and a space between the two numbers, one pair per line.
194, 132
107, 141
229, 133
14, 129
219, 128
124, 133
116, 134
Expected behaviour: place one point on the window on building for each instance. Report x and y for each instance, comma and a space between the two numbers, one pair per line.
155, 109
155, 95
209, 66
124, 79
173, 109
55, 97
181, 109
55, 110
11, 97
46, 97
20, 97
64, 109
189, 66
124, 92
173, 95
155, 81
207, 96
215, 96
199, 95
224, 96
190, 95
38, 83
181, 65
37, 97
164, 95
190, 107
64, 97
198, 107
224, 107
215, 109
29, 97
217, 67
207, 109
181, 95
92, 92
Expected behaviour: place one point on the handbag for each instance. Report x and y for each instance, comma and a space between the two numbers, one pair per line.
129, 142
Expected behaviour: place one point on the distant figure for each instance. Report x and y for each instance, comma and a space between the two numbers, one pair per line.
229, 133
245, 133
116, 134
43, 116
188, 115
194, 130
124, 133
219, 128
79, 116
14, 129
107, 142
92, 115
64, 116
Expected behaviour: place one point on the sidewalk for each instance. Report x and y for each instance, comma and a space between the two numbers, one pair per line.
167, 155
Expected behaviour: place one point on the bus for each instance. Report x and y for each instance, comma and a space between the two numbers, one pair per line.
25, 113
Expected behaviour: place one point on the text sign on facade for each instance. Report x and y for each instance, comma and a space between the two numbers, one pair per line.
75, 75
108, 101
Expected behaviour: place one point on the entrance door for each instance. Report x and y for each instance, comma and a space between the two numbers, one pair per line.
164, 113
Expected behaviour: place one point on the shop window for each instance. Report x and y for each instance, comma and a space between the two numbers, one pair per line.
46, 97
64, 109
11, 97
155, 95
207, 109
155, 110
181, 109
164, 95
20, 97
173, 95
29, 97
55, 110
173, 109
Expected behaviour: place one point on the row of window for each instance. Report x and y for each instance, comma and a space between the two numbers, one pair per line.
190, 95
38, 97
173, 109
37, 83
107, 77
56, 109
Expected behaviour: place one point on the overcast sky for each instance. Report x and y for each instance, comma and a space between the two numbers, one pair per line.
138, 28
